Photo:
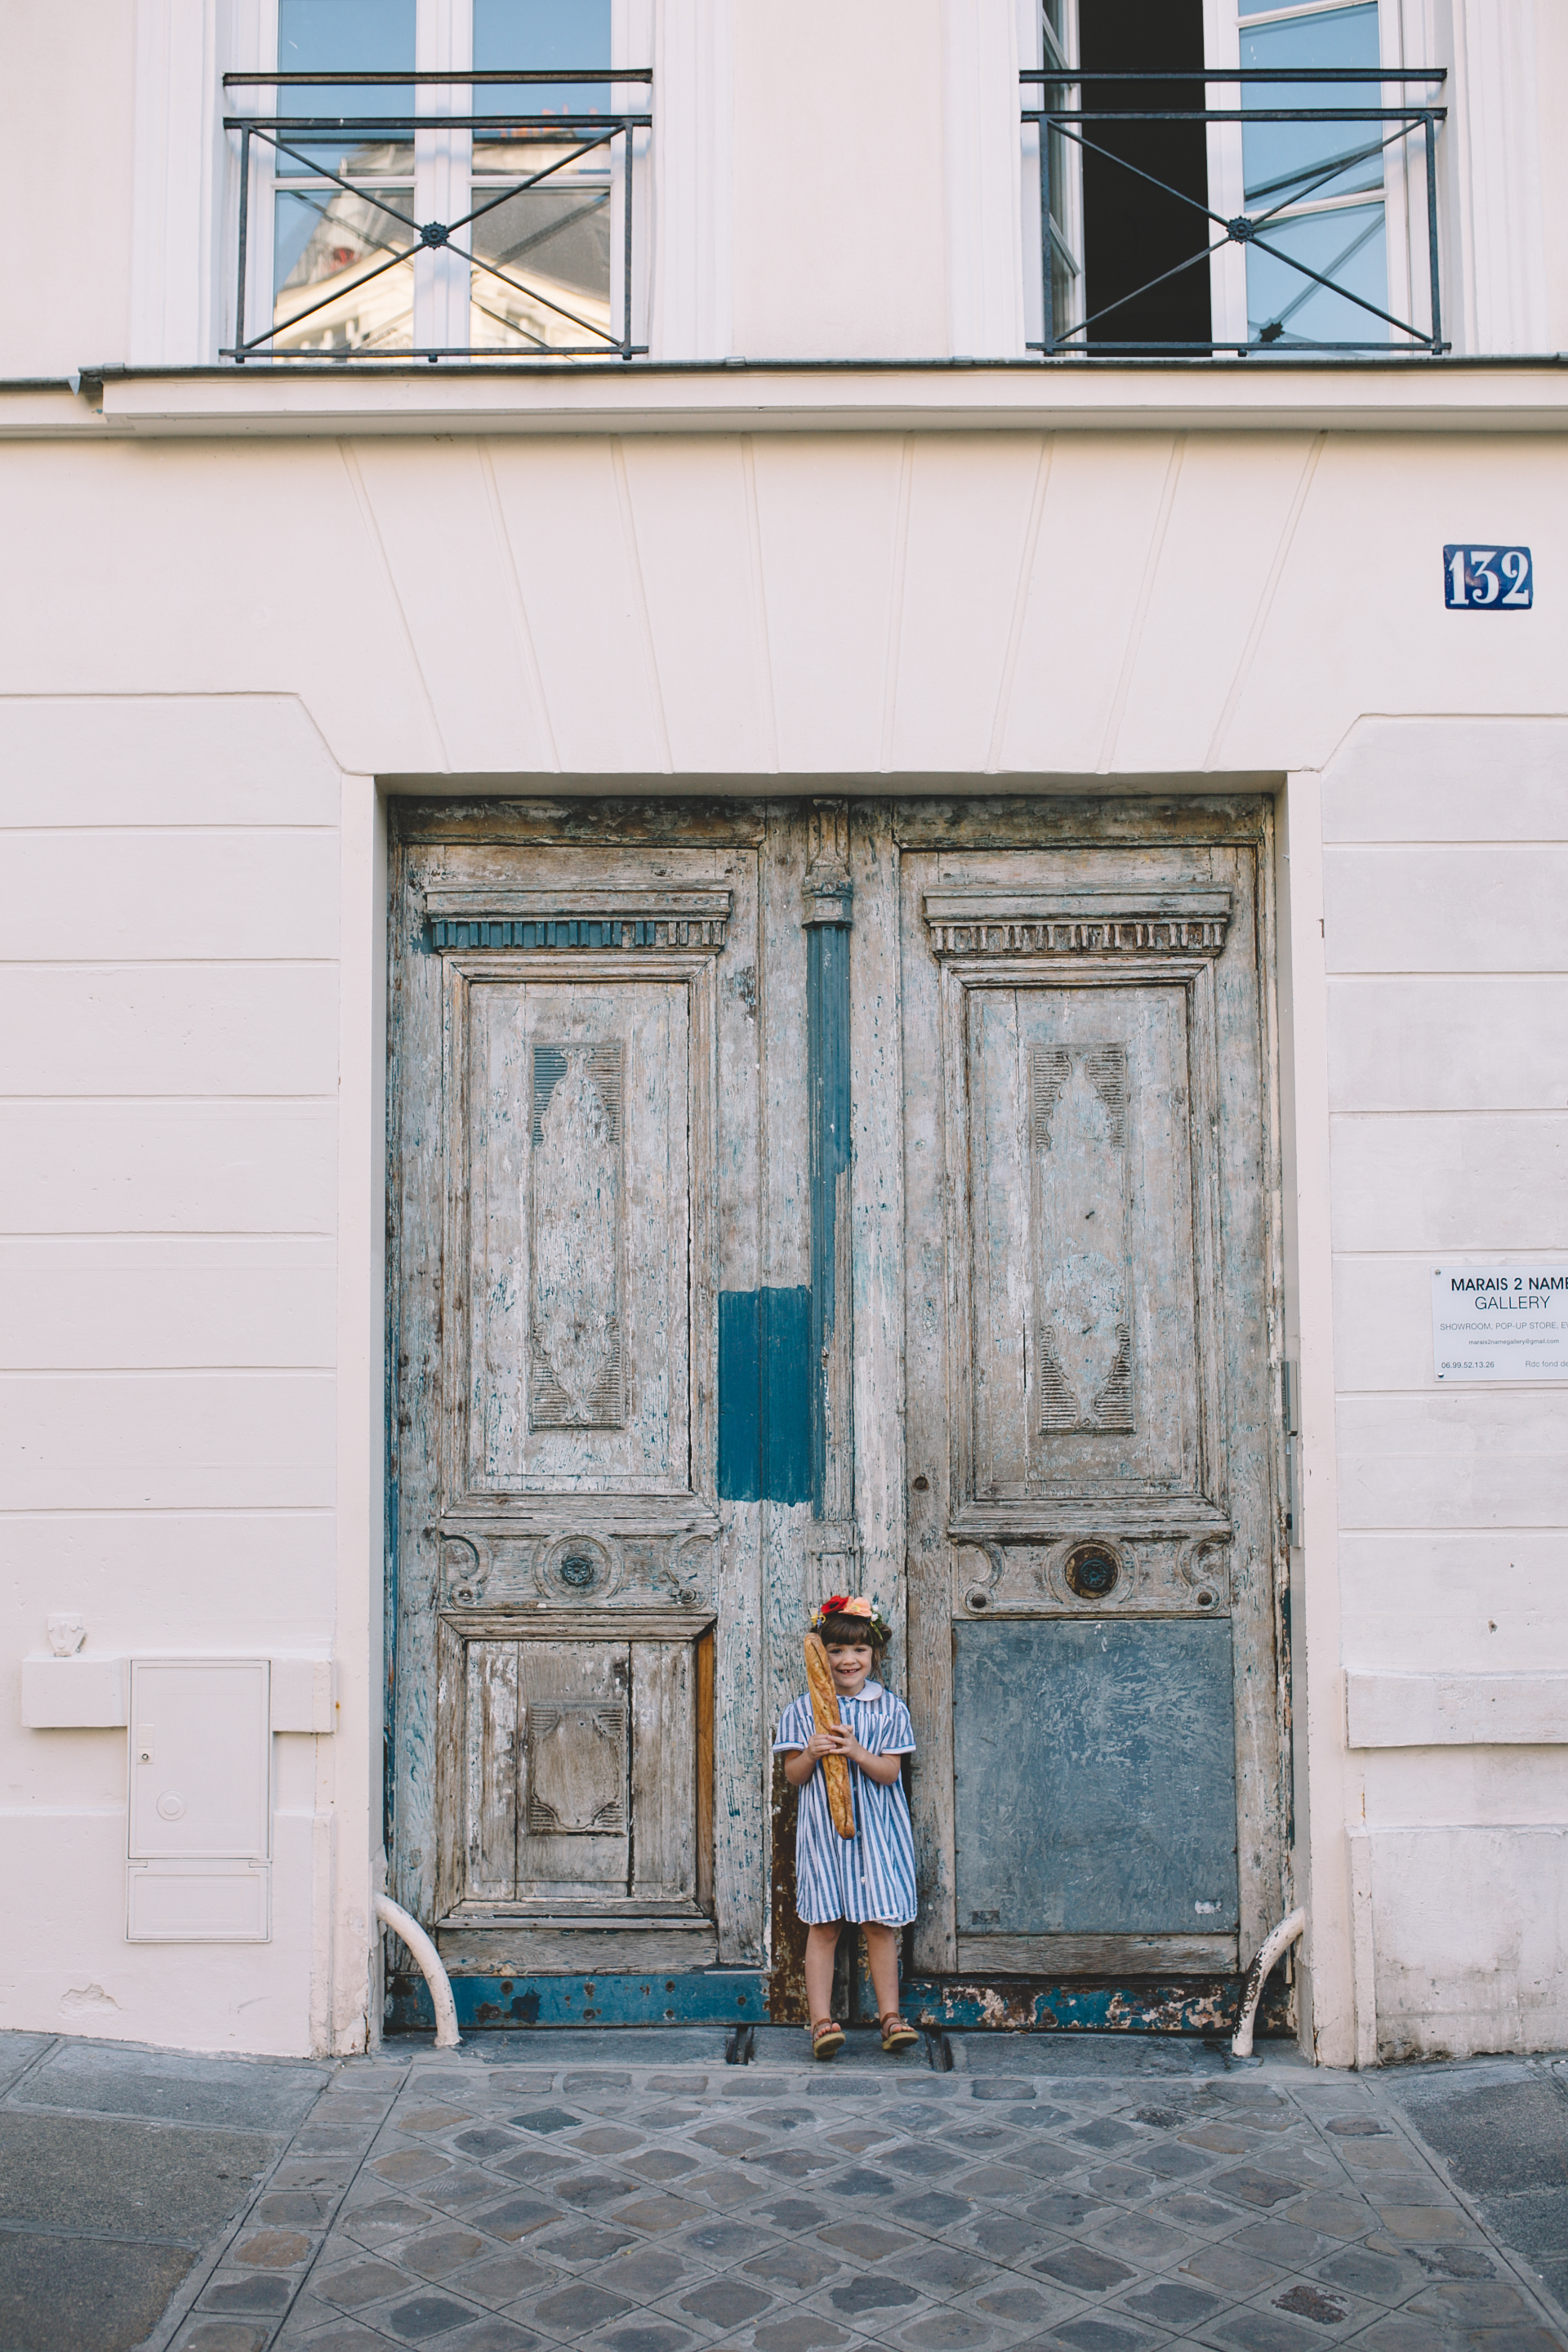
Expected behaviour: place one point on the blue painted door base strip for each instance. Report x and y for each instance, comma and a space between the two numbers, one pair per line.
739, 1996
694, 1997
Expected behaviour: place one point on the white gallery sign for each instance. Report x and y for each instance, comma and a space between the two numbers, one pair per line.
1506, 1322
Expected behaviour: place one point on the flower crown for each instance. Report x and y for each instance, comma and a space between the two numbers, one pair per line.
843, 1604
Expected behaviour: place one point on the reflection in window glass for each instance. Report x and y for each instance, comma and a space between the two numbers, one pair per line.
542, 282
329, 240
1315, 189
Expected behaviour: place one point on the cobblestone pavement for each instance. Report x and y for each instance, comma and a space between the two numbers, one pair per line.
633, 2192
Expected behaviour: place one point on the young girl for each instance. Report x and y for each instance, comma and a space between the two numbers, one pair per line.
869, 1879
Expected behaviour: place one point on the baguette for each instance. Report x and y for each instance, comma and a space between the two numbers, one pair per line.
824, 1714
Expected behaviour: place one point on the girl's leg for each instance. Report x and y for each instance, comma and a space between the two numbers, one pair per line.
821, 1944
882, 1955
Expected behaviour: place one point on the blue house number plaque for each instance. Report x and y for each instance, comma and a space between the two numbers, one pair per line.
1488, 579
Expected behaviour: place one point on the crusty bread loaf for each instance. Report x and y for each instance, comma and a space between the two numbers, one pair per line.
824, 1692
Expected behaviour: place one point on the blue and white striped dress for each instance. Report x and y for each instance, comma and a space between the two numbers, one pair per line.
872, 1875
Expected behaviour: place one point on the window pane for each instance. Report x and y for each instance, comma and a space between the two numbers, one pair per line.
536, 35
1345, 244
1292, 162
336, 36
552, 247
326, 246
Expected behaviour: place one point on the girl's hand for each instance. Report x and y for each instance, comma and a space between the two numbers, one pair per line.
835, 1742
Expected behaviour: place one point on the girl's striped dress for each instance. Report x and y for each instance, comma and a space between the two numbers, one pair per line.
872, 1875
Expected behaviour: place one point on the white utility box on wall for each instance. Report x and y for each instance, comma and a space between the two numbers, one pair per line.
200, 1806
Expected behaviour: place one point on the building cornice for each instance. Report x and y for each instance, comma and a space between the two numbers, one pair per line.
1409, 396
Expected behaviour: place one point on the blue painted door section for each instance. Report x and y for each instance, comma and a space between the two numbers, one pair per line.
1094, 1775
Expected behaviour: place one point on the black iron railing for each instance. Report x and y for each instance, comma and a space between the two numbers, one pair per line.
1276, 203
536, 234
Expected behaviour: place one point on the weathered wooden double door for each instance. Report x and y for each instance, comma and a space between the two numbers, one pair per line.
790, 1196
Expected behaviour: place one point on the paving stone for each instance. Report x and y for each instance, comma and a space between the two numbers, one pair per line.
586, 2242
802, 2332
487, 2139
1082, 2268
1171, 2162
1283, 2244
1223, 2139
859, 2180
1106, 2134
645, 2336
412, 2163
662, 2164
1147, 2239
579, 2308
946, 2331
947, 2270
796, 2163
596, 2079
591, 2190
491, 2336
1373, 2275
1171, 2304
1264, 2331
1026, 2306
689, 2083
546, 2119
1230, 2270
1099, 2336
795, 2213
440, 2252
1422, 2224
1336, 2217
1451, 2262
1003, 2086
516, 2217
359, 2283
726, 2242
504, 2278
726, 2303
656, 2212
921, 2159
262, 2294
1479, 2302
1194, 2212
793, 2266
1404, 2336
1008, 2238
871, 2293
425, 2316
866, 2239
1249, 2187
1307, 2302
434, 2119
996, 2180
1069, 2210
224, 2336
729, 2139
608, 2139
935, 2210
721, 2189
645, 2274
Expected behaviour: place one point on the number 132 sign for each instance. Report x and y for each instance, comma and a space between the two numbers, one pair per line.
1488, 579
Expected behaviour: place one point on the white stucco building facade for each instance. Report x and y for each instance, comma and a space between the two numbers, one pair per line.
834, 578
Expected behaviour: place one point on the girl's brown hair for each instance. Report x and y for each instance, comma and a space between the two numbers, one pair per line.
852, 1633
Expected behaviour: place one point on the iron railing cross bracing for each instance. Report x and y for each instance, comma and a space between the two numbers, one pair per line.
563, 139
1381, 128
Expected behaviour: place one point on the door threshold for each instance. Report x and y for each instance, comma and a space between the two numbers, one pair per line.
715, 1996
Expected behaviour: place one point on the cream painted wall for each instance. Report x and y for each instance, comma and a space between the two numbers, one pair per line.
1552, 81
189, 1243
1443, 864
67, 144
1006, 603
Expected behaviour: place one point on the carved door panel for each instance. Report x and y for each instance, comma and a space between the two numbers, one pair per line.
1093, 1576
564, 1014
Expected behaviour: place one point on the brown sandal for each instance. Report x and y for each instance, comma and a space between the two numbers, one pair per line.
827, 2039
896, 2034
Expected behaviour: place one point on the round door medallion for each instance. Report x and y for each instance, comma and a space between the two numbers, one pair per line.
580, 1571
1093, 1570
171, 1805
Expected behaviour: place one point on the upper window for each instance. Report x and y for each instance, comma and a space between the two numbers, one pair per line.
1230, 175
439, 206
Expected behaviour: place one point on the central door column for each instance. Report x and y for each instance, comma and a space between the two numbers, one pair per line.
832, 1563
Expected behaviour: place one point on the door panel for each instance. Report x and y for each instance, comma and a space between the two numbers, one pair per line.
1094, 1791
562, 1011
1092, 1583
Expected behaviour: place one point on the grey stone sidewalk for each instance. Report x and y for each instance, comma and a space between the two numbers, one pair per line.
631, 2190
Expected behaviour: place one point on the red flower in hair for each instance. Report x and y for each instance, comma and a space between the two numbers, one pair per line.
835, 1603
